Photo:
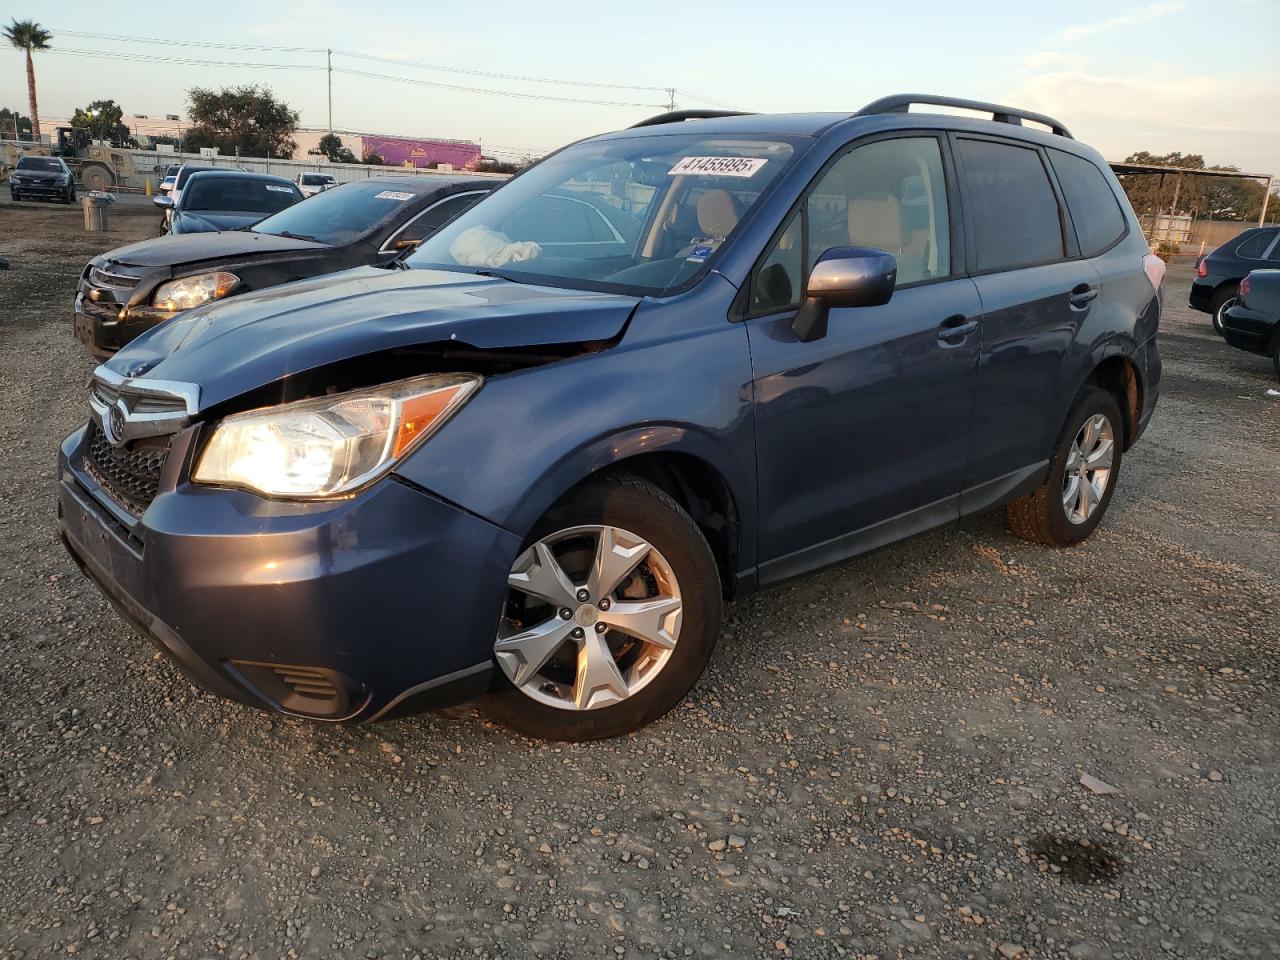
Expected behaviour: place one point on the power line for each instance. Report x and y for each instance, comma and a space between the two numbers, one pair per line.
183, 61
465, 71
188, 61
499, 76
213, 45
500, 93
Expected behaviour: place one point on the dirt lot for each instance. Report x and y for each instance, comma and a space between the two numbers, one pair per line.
882, 759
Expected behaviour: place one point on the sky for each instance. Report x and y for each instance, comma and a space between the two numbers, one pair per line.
1197, 76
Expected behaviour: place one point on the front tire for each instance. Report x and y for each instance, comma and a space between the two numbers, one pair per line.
612, 615
1082, 477
1222, 301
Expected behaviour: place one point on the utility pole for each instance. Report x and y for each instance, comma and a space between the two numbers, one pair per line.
1266, 197
329, 59
671, 98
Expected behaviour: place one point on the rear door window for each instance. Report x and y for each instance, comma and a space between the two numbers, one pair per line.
1096, 213
1011, 206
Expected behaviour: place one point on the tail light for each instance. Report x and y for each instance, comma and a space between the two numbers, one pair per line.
1201, 269
1245, 286
1154, 268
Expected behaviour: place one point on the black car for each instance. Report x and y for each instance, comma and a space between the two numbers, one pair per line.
1253, 322
130, 289
42, 177
1218, 274
216, 200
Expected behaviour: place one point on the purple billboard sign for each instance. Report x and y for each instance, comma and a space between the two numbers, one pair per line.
400, 151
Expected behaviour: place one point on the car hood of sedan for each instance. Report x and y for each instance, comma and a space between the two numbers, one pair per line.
249, 341
190, 247
207, 220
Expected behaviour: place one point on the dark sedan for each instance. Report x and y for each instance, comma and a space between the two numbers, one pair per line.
227, 200
131, 289
1218, 274
47, 177
1253, 322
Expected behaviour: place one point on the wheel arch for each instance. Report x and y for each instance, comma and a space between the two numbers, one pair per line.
1119, 375
687, 464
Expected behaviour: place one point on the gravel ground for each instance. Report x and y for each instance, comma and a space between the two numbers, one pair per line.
883, 759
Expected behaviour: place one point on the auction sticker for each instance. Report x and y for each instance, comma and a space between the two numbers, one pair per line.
392, 195
277, 189
717, 167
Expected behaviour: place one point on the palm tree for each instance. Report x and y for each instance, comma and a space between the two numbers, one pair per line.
28, 35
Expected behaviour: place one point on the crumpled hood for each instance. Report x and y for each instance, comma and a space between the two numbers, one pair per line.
249, 341
182, 248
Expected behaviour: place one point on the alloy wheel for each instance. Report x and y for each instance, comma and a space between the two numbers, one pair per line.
592, 616
1088, 468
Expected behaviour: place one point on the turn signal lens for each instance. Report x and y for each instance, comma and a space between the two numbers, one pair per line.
332, 445
1201, 269
1246, 285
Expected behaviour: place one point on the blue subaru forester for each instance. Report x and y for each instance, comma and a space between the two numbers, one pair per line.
660, 368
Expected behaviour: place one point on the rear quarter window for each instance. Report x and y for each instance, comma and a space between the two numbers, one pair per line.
1095, 211
1011, 206
1255, 247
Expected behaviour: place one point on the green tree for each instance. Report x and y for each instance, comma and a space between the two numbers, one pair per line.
374, 160
330, 147
28, 36
104, 119
13, 124
249, 119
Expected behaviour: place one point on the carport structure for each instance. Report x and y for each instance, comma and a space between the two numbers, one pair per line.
1163, 171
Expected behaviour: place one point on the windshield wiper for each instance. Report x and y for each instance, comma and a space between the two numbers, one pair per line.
296, 236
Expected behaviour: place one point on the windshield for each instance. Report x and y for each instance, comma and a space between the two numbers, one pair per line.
233, 194
343, 214
636, 215
40, 163
315, 179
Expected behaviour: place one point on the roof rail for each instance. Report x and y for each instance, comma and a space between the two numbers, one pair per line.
901, 102
675, 116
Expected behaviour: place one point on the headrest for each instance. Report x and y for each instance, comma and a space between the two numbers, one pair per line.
717, 213
875, 220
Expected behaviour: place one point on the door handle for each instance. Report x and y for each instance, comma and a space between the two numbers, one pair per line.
953, 330
1082, 295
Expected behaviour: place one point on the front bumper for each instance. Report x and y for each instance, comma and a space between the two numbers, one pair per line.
106, 325
40, 189
1249, 330
358, 609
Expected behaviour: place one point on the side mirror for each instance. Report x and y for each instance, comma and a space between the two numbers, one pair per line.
844, 277
163, 201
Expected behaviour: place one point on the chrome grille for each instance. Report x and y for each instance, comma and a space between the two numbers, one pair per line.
105, 278
130, 477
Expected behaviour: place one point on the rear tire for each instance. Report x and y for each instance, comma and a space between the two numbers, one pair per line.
1224, 298
568, 697
95, 176
1063, 511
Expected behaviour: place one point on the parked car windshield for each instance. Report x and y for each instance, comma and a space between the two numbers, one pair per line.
228, 194
636, 215
40, 163
343, 214
316, 179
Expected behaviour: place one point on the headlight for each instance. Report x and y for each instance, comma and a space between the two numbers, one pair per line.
332, 445
190, 292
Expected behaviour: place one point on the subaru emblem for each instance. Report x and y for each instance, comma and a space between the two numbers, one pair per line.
113, 425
